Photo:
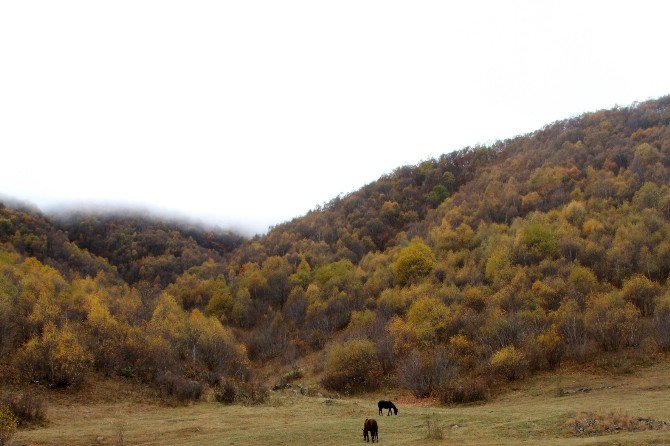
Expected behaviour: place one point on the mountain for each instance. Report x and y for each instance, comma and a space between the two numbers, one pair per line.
482, 266
146, 248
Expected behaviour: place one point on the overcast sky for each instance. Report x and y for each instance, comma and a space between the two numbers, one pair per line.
250, 113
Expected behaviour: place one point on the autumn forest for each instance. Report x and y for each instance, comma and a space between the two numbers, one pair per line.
445, 278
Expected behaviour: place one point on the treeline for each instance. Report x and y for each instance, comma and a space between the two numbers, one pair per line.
54, 330
146, 249
486, 264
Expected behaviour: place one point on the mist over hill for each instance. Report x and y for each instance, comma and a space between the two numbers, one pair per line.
481, 266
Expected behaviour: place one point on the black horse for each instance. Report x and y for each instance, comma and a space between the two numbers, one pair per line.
387, 405
370, 426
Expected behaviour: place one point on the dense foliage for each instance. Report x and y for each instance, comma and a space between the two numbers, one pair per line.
486, 264
146, 249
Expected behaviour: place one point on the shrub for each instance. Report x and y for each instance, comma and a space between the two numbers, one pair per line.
149, 354
415, 261
545, 350
8, 425
598, 423
128, 373
352, 367
56, 356
251, 393
26, 408
539, 241
422, 374
435, 431
429, 318
662, 321
294, 374
179, 388
612, 322
464, 390
508, 362
287, 377
642, 292
225, 392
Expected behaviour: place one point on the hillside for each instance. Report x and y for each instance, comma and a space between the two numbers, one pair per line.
146, 248
483, 266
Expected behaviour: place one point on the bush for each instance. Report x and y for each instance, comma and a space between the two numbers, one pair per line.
464, 390
149, 354
429, 318
546, 350
508, 362
612, 322
435, 431
599, 423
414, 262
128, 373
423, 374
251, 393
287, 377
26, 408
56, 357
642, 292
8, 425
353, 367
180, 388
225, 392
662, 321
215, 346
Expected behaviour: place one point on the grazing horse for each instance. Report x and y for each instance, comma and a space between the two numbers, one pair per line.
387, 405
370, 426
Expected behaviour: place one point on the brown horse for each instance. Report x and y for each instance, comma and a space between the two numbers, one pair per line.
370, 426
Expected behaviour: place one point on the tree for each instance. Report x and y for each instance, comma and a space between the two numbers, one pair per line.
538, 240
612, 322
303, 274
438, 194
214, 345
429, 319
575, 213
353, 367
414, 262
423, 373
335, 275
641, 292
220, 303
8, 425
508, 362
662, 320
583, 281
56, 356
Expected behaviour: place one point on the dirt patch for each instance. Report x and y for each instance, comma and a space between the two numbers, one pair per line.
602, 423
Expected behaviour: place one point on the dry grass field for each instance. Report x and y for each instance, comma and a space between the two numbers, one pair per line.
535, 411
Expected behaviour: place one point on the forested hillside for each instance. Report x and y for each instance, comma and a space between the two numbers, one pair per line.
145, 248
486, 264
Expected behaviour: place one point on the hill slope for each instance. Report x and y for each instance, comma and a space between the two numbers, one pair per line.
485, 265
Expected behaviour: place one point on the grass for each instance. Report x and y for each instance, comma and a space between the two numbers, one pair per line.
532, 412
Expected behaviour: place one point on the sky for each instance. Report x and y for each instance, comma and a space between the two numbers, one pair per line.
246, 114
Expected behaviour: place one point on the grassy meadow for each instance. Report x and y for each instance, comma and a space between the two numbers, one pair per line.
528, 412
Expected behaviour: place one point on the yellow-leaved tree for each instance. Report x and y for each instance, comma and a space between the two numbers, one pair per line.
414, 262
